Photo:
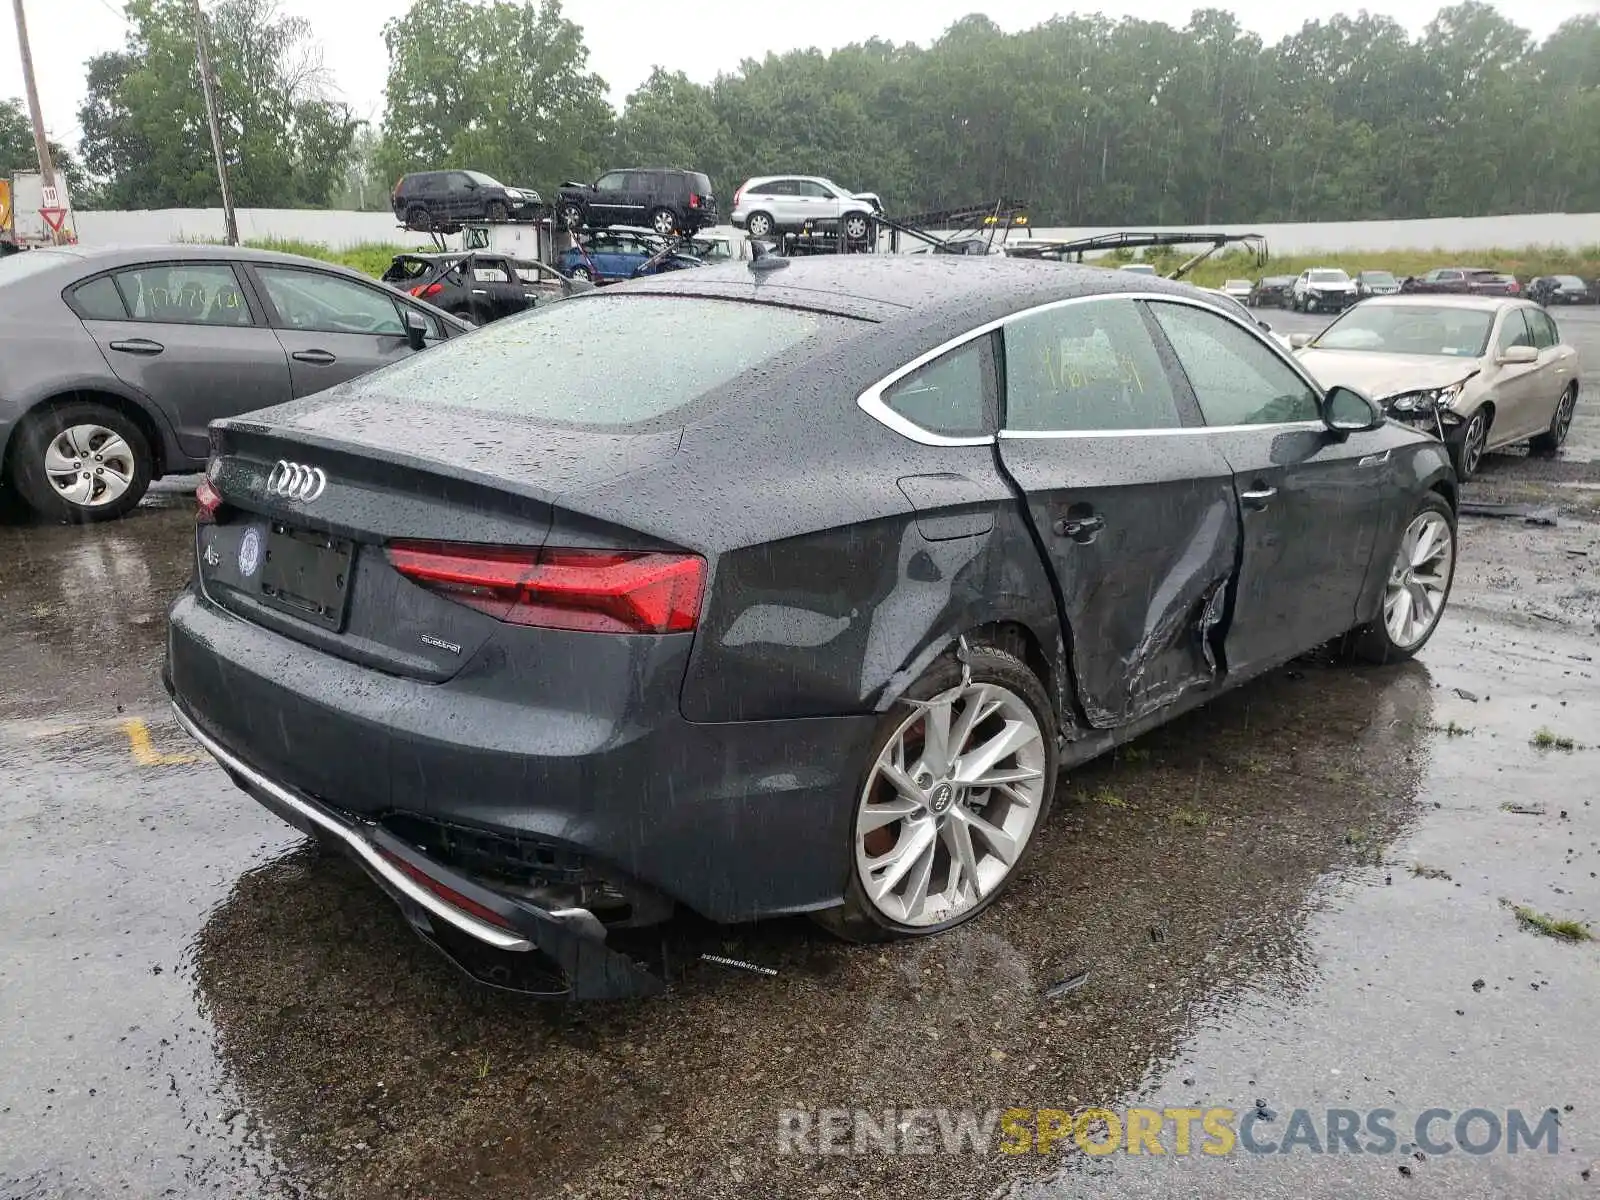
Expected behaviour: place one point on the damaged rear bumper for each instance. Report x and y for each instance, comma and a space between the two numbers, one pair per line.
496, 939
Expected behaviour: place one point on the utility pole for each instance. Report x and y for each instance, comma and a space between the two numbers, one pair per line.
41, 144
208, 84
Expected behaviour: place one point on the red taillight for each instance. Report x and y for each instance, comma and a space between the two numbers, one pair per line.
395, 191
1513, 287
448, 894
694, 200
426, 291
594, 591
207, 501
737, 197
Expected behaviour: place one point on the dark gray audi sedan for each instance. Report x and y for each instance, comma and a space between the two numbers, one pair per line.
115, 359
785, 587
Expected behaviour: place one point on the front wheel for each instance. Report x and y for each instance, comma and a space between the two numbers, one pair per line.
962, 774
82, 463
855, 227
581, 273
1550, 441
1466, 452
1420, 577
759, 225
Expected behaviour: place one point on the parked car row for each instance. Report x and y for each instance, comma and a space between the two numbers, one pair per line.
1330, 289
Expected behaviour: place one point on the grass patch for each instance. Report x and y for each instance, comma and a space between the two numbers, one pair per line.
1426, 872
1191, 817
1561, 930
1524, 263
1547, 740
1133, 754
1451, 730
1108, 798
371, 258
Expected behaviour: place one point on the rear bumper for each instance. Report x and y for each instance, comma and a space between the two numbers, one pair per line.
735, 820
572, 939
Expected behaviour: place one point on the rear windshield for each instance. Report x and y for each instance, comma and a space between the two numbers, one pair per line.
603, 361
403, 269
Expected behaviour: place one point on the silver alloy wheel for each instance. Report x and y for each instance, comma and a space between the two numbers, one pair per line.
1472, 443
760, 225
855, 227
581, 273
664, 223
950, 805
1419, 580
1564, 410
89, 465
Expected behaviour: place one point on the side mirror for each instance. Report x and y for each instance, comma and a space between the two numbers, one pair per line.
1519, 354
1346, 411
1299, 340
416, 330
1266, 326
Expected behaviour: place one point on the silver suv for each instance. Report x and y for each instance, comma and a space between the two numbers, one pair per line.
777, 203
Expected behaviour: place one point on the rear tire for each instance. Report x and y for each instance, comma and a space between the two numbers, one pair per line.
469, 315
496, 211
418, 217
581, 273
664, 221
1002, 705
81, 462
1550, 441
1389, 638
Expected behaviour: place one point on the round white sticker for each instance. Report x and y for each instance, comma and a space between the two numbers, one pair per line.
250, 552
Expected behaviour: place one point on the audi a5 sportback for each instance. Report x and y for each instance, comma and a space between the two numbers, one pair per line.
800, 612
112, 362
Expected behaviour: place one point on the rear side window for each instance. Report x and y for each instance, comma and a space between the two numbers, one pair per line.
99, 300
1086, 367
183, 294
949, 395
604, 361
1237, 378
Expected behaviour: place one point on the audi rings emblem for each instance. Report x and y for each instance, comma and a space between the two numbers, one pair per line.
293, 481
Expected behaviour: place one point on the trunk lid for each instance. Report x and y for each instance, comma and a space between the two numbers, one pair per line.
310, 499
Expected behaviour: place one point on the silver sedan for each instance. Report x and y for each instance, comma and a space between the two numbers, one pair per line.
1482, 372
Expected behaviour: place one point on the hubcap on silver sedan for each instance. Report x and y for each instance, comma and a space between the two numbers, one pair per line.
1419, 581
950, 804
89, 465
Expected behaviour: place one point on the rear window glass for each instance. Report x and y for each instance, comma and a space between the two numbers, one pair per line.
606, 361
99, 300
403, 269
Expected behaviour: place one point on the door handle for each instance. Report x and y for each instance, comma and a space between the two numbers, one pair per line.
138, 346
1257, 497
320, 358
1080, 529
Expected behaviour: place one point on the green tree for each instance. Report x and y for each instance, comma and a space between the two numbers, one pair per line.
496, 87
17, 152
144, 120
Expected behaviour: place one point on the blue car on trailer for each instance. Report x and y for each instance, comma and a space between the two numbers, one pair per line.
614, 254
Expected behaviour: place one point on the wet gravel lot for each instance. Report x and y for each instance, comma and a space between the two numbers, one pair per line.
1303, 895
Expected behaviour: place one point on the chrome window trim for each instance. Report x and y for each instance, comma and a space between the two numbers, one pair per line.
873, 404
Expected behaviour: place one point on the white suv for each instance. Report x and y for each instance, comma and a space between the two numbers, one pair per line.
775, 203
1323, 289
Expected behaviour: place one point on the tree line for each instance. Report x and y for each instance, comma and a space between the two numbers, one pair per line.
1092, 121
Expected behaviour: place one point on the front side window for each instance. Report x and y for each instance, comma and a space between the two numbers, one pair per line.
1545, 333
947, 395
614, 182
1085, 367
1237, 379
321, 303
1514, 331
183, 294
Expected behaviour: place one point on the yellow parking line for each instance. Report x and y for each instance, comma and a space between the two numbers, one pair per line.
144, 751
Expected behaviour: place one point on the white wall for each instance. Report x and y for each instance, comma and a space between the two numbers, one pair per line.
341, 230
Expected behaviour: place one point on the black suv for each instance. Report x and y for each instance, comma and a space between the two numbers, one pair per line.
428, 200
668, 201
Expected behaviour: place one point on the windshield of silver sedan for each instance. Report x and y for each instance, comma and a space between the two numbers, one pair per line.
1440, 332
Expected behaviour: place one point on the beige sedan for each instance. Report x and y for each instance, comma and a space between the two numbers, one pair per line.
1482, 372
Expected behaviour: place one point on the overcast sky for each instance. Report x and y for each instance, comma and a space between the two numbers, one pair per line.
626, 38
